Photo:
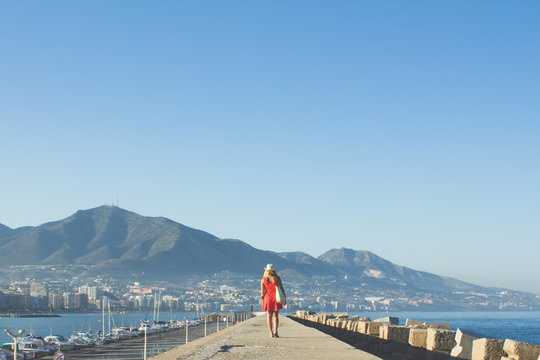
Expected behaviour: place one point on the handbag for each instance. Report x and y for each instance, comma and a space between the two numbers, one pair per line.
280, 296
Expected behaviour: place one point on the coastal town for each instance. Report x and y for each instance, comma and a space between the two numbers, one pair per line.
68, 291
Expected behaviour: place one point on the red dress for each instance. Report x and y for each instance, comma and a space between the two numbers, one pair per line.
269, 302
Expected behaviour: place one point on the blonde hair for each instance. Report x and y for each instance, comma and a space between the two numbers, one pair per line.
270, 273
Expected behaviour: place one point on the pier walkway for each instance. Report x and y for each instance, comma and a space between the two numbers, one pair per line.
250, 340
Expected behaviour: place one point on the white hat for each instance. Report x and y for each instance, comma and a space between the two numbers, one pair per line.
269, 267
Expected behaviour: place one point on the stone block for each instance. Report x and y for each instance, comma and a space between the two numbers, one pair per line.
464, 340
427, 324
325, 317
487, 349
518, 350
418, 338
341, 315
351, 325
383, 331
440, 340
396, 334
362, 327
373, 328
388, 319
414, 323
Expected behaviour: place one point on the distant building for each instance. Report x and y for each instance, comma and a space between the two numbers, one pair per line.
56, 301
90, 291
69, 301
20, 302
37, 289
144, 302
81, 301
96, 304
38, 302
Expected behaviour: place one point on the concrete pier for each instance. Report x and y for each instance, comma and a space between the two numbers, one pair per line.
250, 340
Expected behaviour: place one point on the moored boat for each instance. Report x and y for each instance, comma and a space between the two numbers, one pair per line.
59, 340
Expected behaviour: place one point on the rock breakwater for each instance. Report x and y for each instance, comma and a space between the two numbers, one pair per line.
416, 340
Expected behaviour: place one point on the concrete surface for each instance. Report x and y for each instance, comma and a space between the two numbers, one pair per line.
397, 334
250, 340
440, 340
487, 349
418, 338
464, 342
517, 350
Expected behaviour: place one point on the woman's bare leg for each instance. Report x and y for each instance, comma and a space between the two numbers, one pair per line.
276, 321
269, 315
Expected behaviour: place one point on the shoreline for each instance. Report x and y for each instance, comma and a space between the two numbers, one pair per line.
28, 315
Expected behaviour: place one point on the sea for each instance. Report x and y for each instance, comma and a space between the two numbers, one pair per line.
520, 326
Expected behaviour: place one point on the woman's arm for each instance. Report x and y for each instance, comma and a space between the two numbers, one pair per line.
263, 289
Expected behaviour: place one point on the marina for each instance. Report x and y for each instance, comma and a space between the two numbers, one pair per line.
121, 342
134, 348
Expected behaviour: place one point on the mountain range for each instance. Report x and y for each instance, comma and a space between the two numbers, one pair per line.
114, 240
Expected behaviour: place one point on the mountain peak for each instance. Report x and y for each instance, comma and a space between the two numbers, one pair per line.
349, 257
109, 238
104, 208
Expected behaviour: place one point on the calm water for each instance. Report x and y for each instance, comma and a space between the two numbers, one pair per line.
68, 323
521, 326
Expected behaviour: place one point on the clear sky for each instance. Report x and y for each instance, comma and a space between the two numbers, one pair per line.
410, 129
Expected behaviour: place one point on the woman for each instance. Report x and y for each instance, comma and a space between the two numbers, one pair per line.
268, 295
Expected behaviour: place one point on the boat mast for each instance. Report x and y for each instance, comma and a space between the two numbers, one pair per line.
159, 301
155, 304
109, 307
103, 317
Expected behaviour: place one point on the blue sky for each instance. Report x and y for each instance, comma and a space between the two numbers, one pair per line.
410, 129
